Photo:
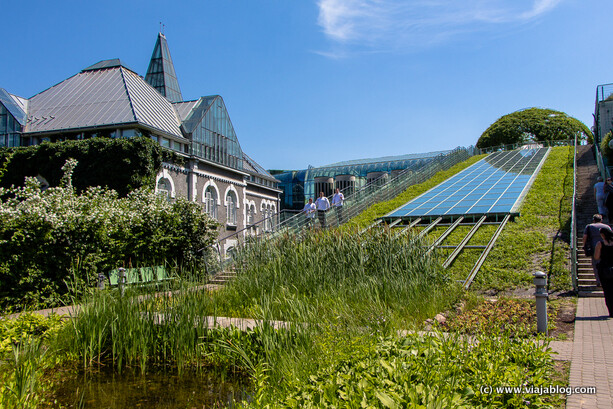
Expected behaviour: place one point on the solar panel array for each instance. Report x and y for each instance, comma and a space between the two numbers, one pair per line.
494, 185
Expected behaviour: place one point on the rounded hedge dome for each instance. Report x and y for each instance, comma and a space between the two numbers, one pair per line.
533, 125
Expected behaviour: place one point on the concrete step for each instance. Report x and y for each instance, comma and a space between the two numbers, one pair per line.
588, 293
588, 283
223, 277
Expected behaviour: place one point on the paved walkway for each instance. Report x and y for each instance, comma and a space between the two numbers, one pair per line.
592, 356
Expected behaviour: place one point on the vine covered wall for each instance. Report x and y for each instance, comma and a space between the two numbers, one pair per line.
121, 164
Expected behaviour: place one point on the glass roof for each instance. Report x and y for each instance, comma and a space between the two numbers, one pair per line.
161, 72
13, 108
494, 185
409, 156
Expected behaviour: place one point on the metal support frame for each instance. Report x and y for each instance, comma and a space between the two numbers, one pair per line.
465, 240
487, 250
430, 227
370, 227
406, 228
395, 222
445, 234
466, 247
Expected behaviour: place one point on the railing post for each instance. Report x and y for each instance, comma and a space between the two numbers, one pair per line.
540, 281
101, 278
122, 280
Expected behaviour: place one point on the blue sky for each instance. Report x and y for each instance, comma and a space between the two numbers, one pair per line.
320, 81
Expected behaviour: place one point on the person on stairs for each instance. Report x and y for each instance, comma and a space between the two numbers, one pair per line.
591, 238
604, 256
608, 197
600, 196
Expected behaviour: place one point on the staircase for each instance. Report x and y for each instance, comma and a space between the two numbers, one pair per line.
223, 277
587, 172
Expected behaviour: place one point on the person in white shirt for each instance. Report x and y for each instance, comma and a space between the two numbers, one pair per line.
309, 210
337, 202
322, 204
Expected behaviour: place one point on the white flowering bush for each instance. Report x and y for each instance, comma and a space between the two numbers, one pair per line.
53, 236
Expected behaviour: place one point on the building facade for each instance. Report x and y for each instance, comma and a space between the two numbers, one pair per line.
109, 99
298, 186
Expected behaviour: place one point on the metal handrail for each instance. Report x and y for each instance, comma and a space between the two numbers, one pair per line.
602, 169
573, 224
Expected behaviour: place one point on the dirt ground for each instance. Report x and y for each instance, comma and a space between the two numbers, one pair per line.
565, 319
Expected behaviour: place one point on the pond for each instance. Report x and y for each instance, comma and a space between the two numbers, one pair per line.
97, 389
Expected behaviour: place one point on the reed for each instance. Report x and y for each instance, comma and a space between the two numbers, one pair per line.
21, 379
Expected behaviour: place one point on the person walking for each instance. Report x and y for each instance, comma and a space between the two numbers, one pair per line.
337, 202
608, 197
604, 256
591, 238
309, 211
600, 196
322, 203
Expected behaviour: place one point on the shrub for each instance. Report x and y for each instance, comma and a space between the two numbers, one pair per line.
50, 237
531, 125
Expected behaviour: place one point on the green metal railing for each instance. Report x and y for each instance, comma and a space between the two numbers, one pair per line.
358, 200
573, 224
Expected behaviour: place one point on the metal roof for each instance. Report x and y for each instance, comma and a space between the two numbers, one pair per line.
184, 108
112, 63
253, 167
101, 97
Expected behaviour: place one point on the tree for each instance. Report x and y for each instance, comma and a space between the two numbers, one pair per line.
534, 125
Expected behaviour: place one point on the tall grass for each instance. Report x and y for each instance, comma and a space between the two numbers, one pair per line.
20, 379
359, 277
329, 285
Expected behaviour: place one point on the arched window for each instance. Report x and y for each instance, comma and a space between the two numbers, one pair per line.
251, 215
210, 201
232, 203
164, 188
267, 213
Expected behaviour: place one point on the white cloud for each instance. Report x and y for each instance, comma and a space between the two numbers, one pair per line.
381, 25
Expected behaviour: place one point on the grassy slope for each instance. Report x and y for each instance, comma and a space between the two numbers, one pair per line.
379, 209
532, 242
537, 240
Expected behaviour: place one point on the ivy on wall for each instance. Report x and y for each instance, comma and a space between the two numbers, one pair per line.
119, 164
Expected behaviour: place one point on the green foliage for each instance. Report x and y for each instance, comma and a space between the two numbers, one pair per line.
429, 371
119, 164
24, 327
532, 125
514, 316
53, 236
344, 298
607, 152
21, 386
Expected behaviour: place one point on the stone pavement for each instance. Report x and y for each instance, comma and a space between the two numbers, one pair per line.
592, 355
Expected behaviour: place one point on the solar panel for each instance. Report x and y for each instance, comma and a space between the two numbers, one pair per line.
494, 185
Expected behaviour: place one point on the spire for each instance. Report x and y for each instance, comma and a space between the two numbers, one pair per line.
161, 72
